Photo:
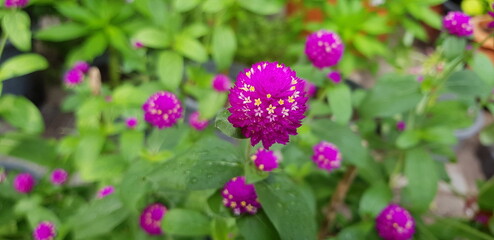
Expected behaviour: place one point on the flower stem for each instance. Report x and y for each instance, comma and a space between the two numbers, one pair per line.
113, 66
3, 41
336, 201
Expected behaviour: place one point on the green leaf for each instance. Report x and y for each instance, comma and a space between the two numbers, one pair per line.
21, 113
221, 122
453, 46
105, 167
211, 104
463, 229
94, 46
170, 69
209, 164
287, 207
425, 14
415, 28
440, 135
421, 173
392, 94
219, 229
185, 5
63, 32
16, 25
224, 45
257, 227
376, 25
375, 199
408, 139
369, 46
356, 231
340, 101
191, 48
32, 148
196, 30
75, 12
22, 65
263, 7
486, 194
214, 6
466, 83
483, 67
184, 222
131, 143
487, 135
152, 37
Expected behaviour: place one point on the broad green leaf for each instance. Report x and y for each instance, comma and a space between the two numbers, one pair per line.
131, 142
224, 45
369, 46
466, 83
184, 222
287, 207
257, 227
170, 69
483, 67
22, 114
424, 13
486, 194
94, 46
118, 39
105, 167
376, 25
211, 104
16, 25
487, 135
454, 46
196, 30
152, 37
133, 179
220, 229
340, 101
221, 122
420, 171
214, 6
63, 32
89, 148
185, 5
356, 231
408, 139
39, 214
75, 12
264, 7
440, 135
191, 48
31, 148
464, 230
129, 96
22, 65
375, 199
415, 28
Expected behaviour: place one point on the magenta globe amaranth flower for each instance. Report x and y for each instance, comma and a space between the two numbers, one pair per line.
81, 66
327, 156
151, 218
131, 122
15, 3
73, 77
395, 223
162, 109
458, 23
59, 176
44, 231
310, 88
265, 160
196, 122
335, 76
24, 183
240, 197
267, 103
324, 48
137, 44
401, 125
221, 83
105, 191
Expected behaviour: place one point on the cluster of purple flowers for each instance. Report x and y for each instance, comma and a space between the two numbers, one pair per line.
75, 75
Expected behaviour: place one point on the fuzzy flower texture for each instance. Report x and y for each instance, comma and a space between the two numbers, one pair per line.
44, 231
265, 160
196, 122
23, 183
15, 3
327, 156
59, 176
75, 75
151, 218
240, 197
458, 23
324, 48
162, 110
105, 191
267, 103
395, 223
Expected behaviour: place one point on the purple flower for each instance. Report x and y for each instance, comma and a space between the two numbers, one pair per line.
458, 23
221, 83
267, 103
137, 44
73, 77
310, 88
59, 176
482, 217
44, 231
240, 197
335, 76
491, 24
151, 218
131, 122
420, 78
327, 156
196, 122
395, 223
81, 66
105, 191
15, 3
401, 125
324, 48
265, 160
23, 183
162, 110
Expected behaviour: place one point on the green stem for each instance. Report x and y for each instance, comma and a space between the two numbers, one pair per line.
113, 67
3, 41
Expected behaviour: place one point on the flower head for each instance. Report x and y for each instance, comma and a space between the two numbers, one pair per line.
16, 3
327, 156
401, 125
458, 23
105, 191
197, 123
44, 231
267, 103
310, 88
482, 217
240, 197
59, 176
151, 218
137, 44
23, 183
221, 83
73, 77
395, 223
81, 66
265, 160
335, 76
131, 122
162, 109
491, 13
324, 48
